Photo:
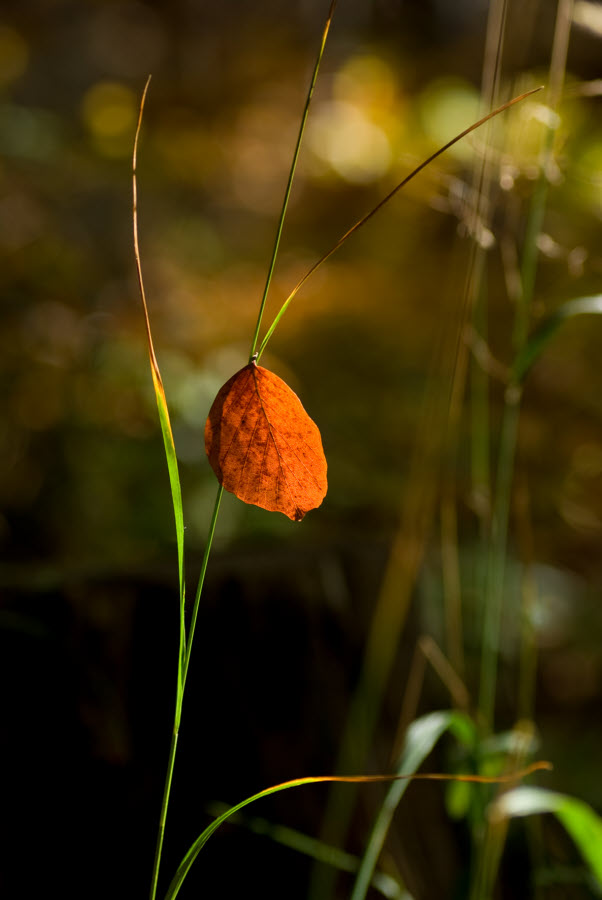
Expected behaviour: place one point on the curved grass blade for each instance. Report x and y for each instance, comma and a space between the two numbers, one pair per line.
541, 337
380, 205
291, 176
422, 735
202, 839
577, 817
176, 496
168, 441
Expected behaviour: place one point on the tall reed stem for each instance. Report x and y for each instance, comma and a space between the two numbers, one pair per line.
494, 587
496, 559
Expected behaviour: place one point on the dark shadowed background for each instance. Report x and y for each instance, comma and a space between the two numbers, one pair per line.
88, 577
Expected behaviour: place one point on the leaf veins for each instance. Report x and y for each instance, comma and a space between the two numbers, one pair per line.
263, 446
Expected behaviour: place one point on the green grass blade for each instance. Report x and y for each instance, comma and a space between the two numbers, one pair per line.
585, 828
176, 497
174, 479
496, 563
579, 819
168, 441
421, 737
291, 176
202, 839
541, 337
200, 842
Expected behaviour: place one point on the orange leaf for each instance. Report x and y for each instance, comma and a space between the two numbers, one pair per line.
263, 446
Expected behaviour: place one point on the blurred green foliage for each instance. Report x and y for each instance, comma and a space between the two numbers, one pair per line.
82, 475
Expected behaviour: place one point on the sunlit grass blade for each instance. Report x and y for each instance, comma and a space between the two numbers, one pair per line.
421, 737
579, 819
538, 341
176, 496
202, 839
382, 203
291, 176
170, 450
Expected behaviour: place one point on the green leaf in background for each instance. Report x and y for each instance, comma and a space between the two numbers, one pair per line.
422, 735
540, 338
579, 819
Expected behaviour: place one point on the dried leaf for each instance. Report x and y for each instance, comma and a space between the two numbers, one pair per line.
263, 446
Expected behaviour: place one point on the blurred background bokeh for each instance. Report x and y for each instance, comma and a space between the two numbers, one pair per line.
88, 578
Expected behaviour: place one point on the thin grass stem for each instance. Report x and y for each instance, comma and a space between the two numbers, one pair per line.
199, 590
164, 805
480, 419
291, 176
560, 47
529, 592
493, 839
182, 673
494, 588
365, 219
496, 560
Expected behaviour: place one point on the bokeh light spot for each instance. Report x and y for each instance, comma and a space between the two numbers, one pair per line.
448, 106
589, 174
342, 136
14, 55
109, 111
367, 82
